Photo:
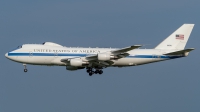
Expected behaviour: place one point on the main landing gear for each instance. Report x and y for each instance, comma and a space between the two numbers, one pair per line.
96, 71
25, 69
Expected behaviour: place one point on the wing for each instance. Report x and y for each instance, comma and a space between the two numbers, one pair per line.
93, 59
119, 53
126, 49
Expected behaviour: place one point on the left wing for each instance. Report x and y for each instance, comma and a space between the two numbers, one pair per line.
119, 53
93, 59
126, 49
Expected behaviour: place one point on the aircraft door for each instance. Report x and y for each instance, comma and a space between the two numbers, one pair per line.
30, 54
155, 57
55, 54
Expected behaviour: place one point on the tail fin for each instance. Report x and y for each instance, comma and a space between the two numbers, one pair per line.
178, 39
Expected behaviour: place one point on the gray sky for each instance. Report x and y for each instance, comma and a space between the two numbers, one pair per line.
170, 86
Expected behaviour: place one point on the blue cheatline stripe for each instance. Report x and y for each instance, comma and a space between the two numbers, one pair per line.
153, 56
82, 55
44, 54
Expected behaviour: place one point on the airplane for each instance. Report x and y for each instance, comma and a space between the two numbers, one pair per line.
94, 60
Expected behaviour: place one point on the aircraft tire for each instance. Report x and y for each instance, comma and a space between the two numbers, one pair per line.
90, 74
25, 70
100, 72
88, 71
96, 72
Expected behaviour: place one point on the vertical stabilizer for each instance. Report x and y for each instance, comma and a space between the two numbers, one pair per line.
178, 39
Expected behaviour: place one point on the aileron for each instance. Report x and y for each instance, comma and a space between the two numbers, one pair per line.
126, 49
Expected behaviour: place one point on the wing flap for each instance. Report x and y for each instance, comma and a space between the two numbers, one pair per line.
91, 57
65, 60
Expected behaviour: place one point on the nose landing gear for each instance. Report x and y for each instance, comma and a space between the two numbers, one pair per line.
25, 69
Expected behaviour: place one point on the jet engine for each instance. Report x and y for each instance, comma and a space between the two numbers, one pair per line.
105, 57
72, 68
77, 62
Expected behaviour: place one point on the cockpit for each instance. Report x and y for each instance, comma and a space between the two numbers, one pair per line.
51, 44
19, 47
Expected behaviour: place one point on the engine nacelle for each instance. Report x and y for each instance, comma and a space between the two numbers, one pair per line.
105, 57
72, 68
77, 62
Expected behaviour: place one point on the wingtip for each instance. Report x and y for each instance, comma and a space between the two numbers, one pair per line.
137, 45
192, 48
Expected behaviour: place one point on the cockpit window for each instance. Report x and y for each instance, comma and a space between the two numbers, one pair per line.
16, 48
19, 47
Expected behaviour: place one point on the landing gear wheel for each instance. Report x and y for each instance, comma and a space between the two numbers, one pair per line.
96, 72
100, 71
25, 70
88, 71
90, 74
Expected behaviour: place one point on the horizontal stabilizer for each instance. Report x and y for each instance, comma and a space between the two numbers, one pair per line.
181, 52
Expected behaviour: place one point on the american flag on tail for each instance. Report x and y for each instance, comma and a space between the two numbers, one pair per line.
180, 36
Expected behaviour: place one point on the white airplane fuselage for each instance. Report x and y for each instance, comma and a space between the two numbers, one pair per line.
38, 54
95, 59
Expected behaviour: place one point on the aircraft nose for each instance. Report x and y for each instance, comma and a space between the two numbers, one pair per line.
6, 55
